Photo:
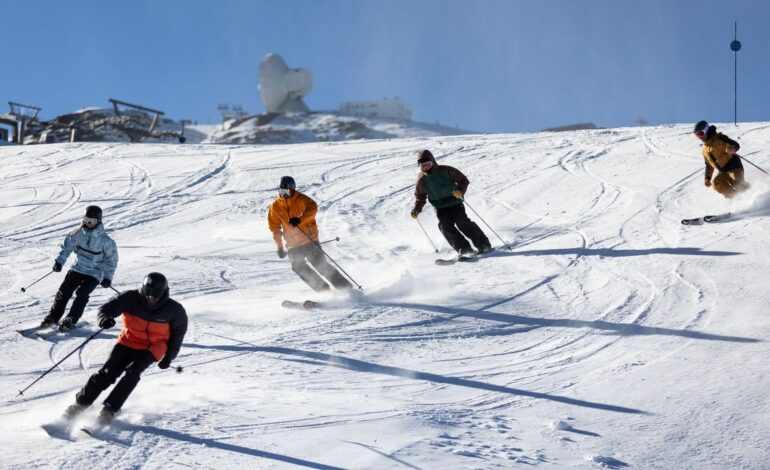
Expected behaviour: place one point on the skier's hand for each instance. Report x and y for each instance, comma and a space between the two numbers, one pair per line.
107, 323
106, 283
707, 183
281, 253
414, 214
294, 221
56, 267
164, 363
457, 194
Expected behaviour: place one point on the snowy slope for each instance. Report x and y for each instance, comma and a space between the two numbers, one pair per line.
611, 336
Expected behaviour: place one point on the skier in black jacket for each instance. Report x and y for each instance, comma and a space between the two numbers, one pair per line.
154, 326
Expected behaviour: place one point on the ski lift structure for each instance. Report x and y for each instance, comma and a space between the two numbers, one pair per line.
134, 129
17, 119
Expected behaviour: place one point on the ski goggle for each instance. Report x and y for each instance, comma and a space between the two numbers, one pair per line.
90, 221
152, 292
701, 134
425, 166
284, 191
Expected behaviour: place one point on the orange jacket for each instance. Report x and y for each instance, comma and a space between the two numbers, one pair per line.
283, 209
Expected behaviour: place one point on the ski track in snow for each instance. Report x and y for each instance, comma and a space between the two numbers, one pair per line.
600, 318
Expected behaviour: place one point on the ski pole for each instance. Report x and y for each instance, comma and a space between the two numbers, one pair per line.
24, 289
21, 392
117, 291
330, 258
329, 241
426, 235
755, 166
505, 244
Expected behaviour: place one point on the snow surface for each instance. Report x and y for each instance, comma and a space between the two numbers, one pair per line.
611, 336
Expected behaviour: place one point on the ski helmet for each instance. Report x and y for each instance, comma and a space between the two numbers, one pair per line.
287, 182
154, 285
94, 212
701, 126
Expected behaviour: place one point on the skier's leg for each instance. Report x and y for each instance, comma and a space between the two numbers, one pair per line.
120, 357
68, 286
446, 224
725, 183
319, 261
470, 229
299, 265
126, 385
82, 294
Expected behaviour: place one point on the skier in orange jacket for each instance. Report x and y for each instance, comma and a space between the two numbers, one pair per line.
291, 218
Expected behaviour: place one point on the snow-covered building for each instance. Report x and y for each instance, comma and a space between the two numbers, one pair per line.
385, 108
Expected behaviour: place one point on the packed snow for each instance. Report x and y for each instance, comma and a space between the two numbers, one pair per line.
608, 336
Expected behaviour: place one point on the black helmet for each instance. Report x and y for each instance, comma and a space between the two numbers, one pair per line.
701, 126
154, 285
94, 212
287, 182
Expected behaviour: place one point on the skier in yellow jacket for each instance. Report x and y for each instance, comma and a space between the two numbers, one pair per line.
719, 152
291, 218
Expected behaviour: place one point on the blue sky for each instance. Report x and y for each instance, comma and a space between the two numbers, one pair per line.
484, 65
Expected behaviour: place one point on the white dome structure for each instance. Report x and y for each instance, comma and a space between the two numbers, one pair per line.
282, 88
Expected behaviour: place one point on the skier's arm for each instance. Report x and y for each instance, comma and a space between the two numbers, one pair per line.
420, 196
178, 325
110, 259
67, 246
274, 222
117, 305
730, 142
460, 180
311, 209
709, 168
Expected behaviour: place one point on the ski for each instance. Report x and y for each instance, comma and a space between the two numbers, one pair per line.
50, 333
95, 430
463, 258
306, 305
705, 219
59, 430
33, 332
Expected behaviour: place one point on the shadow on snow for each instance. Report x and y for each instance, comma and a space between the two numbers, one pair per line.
356, 365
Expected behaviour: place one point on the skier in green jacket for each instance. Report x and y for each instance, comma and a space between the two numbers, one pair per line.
444, 186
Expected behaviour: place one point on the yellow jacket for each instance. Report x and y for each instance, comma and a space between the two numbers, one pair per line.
283, 209
714, 151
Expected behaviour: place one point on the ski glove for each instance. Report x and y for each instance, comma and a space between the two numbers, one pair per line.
106, 283
281, 253
107, 323
707, 183
457, 194
294, 221
414, 214
56, 267
164, 363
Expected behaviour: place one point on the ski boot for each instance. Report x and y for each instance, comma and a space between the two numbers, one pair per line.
73, 411
105, 416
67, 324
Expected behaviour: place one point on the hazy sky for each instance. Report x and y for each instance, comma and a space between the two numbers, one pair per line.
482, 65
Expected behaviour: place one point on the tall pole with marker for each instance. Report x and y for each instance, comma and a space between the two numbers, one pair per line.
735, 46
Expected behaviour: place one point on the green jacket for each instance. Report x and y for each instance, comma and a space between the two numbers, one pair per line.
438, 186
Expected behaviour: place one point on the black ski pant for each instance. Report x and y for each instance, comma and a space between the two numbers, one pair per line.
122, 359
310, 254
454, 223
81, 285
